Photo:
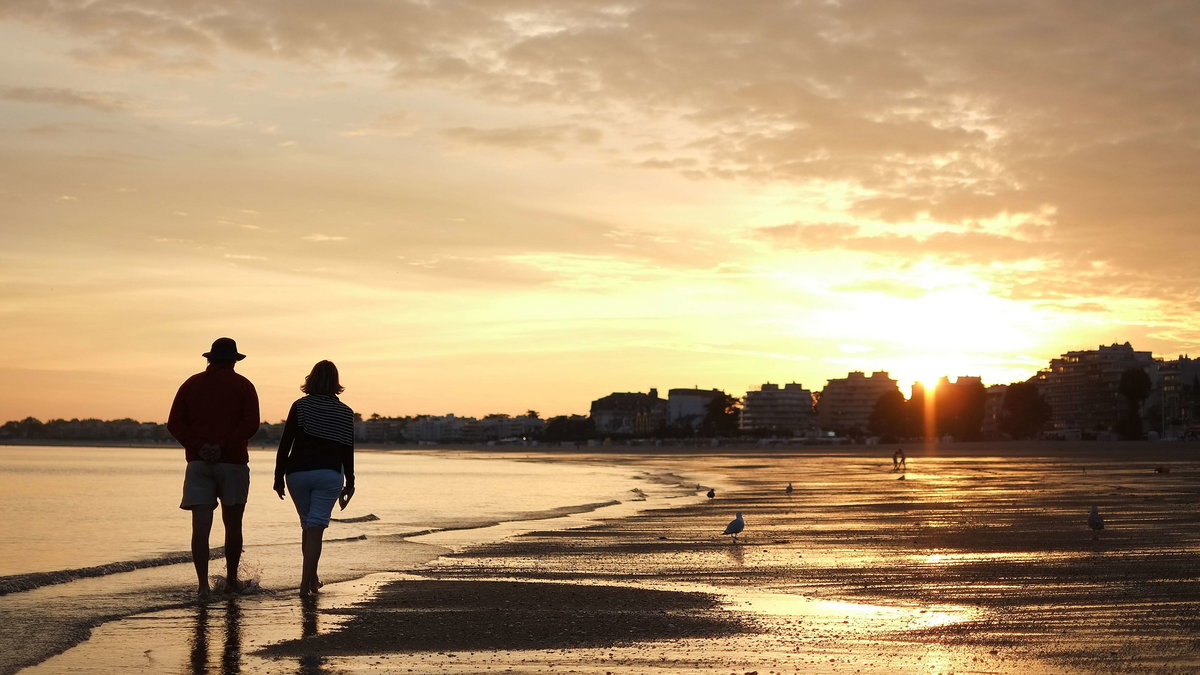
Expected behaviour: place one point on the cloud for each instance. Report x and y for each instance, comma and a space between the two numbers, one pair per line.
966, 246
323, 237
56, 129
392, 125
550, 138
1079, 115
70, 98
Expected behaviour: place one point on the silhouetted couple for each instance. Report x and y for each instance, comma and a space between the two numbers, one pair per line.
214, 415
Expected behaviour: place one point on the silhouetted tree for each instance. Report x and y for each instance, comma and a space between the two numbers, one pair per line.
1134, 387
721, 416
30, 427
569, 428
1024, 412
889, 419
968, 419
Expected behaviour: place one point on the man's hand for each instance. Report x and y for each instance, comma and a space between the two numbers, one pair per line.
278, 488
344, 498
209, 452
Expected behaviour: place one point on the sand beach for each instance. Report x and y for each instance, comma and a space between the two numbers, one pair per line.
975, 559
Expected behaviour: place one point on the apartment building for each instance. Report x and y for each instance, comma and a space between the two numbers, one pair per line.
846, 404
993, 410
1180, 411
1081, 387
786, 410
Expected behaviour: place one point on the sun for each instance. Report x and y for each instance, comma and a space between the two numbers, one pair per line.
939, 323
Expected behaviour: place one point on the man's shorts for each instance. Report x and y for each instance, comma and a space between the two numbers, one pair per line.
204, 483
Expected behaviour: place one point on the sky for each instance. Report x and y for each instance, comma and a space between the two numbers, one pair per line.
502, 205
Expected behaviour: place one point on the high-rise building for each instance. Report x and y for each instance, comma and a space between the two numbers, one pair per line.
846, 404
1082, 387
1180, 412
993, 410
786, 411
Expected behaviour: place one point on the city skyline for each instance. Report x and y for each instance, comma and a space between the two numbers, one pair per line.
517, 410
542, 202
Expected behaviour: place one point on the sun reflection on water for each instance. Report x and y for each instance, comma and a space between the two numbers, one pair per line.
855, 615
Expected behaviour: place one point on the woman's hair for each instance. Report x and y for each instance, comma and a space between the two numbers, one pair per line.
322, 380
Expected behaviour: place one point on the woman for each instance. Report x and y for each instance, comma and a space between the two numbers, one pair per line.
316, 454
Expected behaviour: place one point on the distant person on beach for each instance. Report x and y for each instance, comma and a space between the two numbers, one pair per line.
316, 462
214, 415
898, 460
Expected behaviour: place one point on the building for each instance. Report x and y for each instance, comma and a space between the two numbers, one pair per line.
786, 411
438, 429
380, 429
507, 428
993, 410
846, 404
1180, 397
1082, 387
629, 414
688, 407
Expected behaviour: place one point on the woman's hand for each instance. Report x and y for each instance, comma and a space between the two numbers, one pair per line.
278, 488
344, 498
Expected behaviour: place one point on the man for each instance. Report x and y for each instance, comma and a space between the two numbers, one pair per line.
214, 415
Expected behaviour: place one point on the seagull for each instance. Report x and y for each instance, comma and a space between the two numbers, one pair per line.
736, 525
711, 493
789, 488
1096, 522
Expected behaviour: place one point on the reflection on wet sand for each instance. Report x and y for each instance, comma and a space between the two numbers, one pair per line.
199, 651
988, 556
231, 649
310, 664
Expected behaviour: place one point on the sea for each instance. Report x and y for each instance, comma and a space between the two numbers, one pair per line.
93, 534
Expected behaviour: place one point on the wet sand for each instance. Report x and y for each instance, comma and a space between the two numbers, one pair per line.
974, 562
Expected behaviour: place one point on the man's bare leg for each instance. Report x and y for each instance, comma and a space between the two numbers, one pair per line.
231, 516
202, 517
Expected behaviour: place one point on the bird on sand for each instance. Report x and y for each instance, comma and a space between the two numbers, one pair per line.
735, 526
1096, 522
711, 493
789, 488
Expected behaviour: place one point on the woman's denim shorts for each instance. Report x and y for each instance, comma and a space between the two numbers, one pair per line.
314, 494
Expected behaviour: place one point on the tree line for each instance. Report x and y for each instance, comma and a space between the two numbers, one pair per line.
958, 410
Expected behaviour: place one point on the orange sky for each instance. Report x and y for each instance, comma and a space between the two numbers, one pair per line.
479, 207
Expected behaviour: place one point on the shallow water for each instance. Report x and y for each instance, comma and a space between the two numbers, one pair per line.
92, 534
978, 563
72, 507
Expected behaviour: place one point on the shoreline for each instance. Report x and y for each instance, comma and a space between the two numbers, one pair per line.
791, 594
1004, 580
545, 452
77, 633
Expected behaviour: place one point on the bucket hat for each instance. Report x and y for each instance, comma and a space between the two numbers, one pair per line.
224, 349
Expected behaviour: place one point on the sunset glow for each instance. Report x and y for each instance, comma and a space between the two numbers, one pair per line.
533, 205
